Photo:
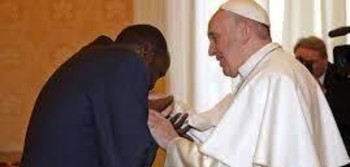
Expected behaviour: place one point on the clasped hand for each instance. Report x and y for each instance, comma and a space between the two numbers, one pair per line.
165, 130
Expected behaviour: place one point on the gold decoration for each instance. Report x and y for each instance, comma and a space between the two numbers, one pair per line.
9, 11
10, 103
115, 10
63, 10
10, 57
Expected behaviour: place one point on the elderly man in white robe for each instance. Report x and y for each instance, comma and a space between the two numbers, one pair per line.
278, 115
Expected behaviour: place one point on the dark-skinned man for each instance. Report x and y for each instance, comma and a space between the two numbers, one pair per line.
93, 110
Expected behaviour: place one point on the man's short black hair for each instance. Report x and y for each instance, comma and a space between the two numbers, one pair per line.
144, 35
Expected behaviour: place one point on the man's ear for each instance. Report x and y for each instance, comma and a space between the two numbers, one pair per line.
145, 51
149, 59
244, 31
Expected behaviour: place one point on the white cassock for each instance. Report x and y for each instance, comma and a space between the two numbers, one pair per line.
278, 117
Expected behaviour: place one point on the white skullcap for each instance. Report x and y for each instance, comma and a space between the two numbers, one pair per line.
248, 9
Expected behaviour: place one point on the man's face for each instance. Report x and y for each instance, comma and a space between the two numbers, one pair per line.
313, 57
225, 42
159, 67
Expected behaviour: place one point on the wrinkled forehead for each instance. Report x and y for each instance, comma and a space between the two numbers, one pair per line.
218, 16
220, 19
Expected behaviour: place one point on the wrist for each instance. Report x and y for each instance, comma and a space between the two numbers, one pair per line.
172, 142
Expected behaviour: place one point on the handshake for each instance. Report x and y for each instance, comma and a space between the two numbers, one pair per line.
167, 118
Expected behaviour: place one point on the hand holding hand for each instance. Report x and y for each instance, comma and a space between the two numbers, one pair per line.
161, 128
178, 121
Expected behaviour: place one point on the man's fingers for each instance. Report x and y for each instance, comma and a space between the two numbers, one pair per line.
165, 113
175, 118
182, 120
184, 130
187, 137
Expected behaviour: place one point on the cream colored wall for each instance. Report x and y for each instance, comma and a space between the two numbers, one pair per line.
35, 37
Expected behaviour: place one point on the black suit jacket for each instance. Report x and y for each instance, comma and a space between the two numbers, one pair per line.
338, 94
92, 112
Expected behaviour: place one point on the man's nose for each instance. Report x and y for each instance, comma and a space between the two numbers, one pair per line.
212, 50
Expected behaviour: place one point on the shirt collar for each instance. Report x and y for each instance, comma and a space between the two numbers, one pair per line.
323, 76
249, 65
